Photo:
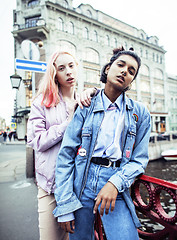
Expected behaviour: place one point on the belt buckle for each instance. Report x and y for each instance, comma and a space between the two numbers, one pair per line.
109, 165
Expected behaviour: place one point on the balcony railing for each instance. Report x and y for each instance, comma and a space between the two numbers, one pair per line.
149, 195
32, 27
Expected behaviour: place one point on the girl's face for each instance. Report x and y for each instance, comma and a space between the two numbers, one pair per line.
122, 72
66, 70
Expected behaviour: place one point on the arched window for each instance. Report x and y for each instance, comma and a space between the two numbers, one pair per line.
71, 28
95, 36
153, 57
144, 70
63, 45
65, 4
32, 3
146, 54
142, 36
86, 33
158, 74
88, 13
107, 40
90, 55
141, 52
157, 58
60, 24
115, 42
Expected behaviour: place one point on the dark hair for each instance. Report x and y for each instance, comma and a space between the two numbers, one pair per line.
116, 53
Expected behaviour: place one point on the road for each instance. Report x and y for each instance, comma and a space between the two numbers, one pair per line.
18, 195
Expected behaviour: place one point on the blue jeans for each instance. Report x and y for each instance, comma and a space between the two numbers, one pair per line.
118, 225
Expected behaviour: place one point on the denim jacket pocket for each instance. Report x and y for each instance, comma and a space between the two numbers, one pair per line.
86, 132
86, 138
129, 143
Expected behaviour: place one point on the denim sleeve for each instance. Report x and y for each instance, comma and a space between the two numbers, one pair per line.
66, 218
66, 199
138, 161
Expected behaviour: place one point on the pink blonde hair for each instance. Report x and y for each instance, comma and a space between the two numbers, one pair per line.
49, 87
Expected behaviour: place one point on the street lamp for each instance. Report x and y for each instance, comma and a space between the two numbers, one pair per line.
15, 81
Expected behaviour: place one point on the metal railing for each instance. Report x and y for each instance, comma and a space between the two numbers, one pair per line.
155, 200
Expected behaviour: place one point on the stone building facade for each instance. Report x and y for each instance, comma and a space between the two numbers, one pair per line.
172, 102
90, 35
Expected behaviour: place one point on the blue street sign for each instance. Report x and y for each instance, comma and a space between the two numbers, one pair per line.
30, 65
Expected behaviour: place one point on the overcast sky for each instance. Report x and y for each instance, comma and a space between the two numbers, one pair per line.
155, 17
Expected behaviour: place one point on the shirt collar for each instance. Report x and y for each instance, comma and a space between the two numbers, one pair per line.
107, 102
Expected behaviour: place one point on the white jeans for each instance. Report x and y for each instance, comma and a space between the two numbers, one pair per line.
48, 226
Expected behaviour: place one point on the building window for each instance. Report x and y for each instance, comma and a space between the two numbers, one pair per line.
65, 4
158, 74
125, 45
146, 54
158, 88
157, 58
145, 86
33, 3
95, 36
141, 52
90, 55
31, 22
15, 17
142, 36
144, 70
66, 46
71, 28
60, 24
91, 76
89, 14
171, 102
107, 40
115, 42
153, 57
86, 33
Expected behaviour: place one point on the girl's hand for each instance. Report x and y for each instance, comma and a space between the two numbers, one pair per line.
67, 226
85, 97
107, 197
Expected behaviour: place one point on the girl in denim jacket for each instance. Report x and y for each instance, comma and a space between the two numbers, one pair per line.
104, 149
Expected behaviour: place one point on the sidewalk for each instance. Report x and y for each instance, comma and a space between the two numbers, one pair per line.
12, 161
14, 142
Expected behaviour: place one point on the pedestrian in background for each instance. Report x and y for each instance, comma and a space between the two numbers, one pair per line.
10, 136
51, 112
104, 149
5, 136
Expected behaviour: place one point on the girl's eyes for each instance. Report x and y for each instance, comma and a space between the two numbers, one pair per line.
62, 68
131, 72
71, 65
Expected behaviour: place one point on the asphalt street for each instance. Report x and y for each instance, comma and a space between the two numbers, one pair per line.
18, 195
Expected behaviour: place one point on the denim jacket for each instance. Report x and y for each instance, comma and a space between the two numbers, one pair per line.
81, 134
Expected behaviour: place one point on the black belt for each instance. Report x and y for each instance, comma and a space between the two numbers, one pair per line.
105, 162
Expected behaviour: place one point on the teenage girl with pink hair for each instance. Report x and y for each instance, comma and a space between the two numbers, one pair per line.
51, 111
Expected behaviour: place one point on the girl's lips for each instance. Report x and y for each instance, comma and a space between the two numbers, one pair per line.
70, 79
120, 79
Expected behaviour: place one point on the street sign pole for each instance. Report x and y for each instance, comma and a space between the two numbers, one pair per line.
33, 84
